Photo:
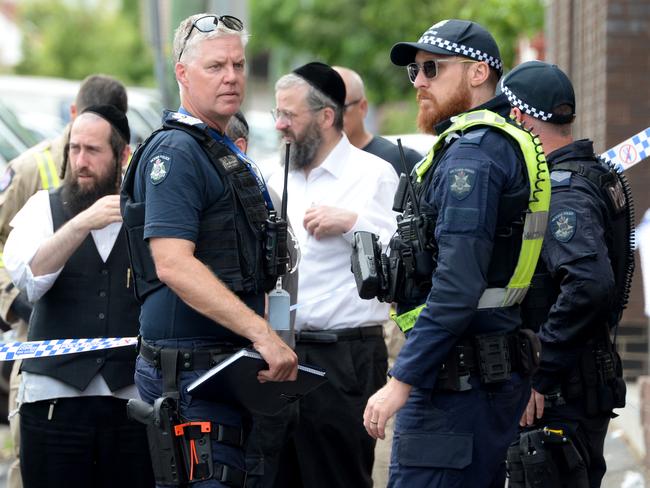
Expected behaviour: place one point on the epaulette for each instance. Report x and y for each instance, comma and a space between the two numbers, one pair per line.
473, 137
560, 178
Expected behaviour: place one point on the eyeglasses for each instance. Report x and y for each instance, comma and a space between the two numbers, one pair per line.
208, 23
349, 104
289, 116
430, 67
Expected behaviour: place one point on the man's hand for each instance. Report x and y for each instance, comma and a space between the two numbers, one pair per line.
103, 212
323, 221
534, 409
282, 360
383, 405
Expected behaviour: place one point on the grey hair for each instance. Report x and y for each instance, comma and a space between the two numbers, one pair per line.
187, 48
315, 99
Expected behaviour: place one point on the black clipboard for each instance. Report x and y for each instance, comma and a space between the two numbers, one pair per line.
234, 381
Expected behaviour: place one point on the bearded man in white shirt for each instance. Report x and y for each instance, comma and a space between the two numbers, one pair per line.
335, 189
67, 250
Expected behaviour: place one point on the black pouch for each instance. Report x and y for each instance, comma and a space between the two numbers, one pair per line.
529, 351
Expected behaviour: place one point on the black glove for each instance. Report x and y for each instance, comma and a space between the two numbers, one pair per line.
21, 307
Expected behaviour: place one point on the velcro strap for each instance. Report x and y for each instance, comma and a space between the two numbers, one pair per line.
227, 434
229, 476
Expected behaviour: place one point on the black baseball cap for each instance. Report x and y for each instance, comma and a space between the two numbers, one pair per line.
324, 78
452, 37
537, 89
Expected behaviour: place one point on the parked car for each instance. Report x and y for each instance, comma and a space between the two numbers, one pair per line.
14, 137
422, 143
42, 105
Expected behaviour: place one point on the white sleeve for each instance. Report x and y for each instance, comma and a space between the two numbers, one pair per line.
30, 227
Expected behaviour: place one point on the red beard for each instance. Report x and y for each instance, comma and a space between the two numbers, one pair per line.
434, 112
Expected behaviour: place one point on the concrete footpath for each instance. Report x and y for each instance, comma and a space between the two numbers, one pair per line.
625, 448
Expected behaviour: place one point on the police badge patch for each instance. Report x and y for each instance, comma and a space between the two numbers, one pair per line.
6, 179
160, 169
461, 182
563, 225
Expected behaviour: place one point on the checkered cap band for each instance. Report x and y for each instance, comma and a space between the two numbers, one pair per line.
429, 38
523, 106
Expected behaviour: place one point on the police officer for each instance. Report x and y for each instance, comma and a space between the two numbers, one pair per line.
459, 385
579, 292
198, 249
38, 169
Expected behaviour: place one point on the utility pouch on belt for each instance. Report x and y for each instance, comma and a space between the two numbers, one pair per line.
545, 458
166, 456
529, 351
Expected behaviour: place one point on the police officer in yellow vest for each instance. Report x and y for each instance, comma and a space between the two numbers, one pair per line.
466, 247
39, 168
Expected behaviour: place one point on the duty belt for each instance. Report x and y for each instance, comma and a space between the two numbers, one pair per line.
491, 357
339, 335
189, 359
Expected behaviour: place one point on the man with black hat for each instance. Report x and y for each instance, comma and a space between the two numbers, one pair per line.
334, 190
578, 294
67, 251
461, 264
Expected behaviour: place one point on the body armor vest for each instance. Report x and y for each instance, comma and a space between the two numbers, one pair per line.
90, 298
232, 231
615, 192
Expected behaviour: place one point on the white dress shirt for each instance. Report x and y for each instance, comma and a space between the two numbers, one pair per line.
354, 180
32, 225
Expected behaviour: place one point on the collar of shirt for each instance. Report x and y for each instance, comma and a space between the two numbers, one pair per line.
335, 161
250, 165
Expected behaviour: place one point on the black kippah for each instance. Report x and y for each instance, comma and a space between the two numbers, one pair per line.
324, 78
114, 116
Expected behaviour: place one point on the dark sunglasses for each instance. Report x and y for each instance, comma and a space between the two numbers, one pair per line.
430, 68
208, 23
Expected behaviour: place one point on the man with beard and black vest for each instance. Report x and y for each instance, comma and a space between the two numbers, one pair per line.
67, 250
579, 291
335, 189
465, 250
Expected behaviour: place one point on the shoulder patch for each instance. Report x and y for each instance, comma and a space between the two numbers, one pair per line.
161, 164
560, 178
563, 225
461, 182
229, 162
6, 179
185, 119
474, 136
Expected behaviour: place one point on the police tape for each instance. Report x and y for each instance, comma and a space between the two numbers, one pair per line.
629, 152
10, 351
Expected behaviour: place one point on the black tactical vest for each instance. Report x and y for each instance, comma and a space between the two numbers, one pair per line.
90, 298
619, 234
232, 231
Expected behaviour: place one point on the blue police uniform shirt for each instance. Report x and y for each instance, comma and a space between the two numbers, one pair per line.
464, 196
575, 253
177, 180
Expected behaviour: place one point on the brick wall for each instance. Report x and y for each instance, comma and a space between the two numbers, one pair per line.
604, 46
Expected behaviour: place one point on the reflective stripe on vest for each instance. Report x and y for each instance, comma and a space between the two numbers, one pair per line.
47, 170
536, 216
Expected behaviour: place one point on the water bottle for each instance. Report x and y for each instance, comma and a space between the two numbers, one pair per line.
279, 316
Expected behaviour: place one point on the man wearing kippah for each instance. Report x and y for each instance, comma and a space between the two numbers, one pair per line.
461, 264
335, 189
67, 251
578, 294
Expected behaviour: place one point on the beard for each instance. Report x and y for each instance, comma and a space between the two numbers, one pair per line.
77, 198
436, 112
304, 147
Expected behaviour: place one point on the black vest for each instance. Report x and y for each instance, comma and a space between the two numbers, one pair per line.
90, 298
232, 230
615, 192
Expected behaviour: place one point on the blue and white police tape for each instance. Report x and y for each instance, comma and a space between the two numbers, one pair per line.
10, 351
630, 152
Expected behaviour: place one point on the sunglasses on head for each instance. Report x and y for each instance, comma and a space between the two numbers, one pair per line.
208, 23
430, 68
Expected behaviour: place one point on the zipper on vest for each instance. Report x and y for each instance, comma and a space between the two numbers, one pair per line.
50, 412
